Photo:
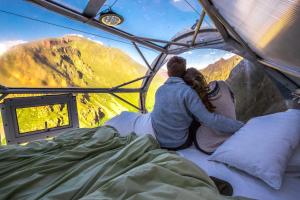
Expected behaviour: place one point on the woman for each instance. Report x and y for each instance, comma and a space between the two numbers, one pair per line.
218, 98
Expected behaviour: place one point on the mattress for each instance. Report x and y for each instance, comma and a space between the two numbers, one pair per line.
242, 183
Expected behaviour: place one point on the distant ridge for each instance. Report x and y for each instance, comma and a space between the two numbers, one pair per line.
221, 69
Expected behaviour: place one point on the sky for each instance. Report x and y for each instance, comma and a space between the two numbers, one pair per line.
160, 19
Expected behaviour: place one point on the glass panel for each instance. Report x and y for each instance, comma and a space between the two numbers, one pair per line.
42, 117
158, 19
207, 23
67, 54
95, 109
133, 98
78, 5
157, 81
2, 134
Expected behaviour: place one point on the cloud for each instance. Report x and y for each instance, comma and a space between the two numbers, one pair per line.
76, 35
188, 52
182, 5
5, 45
97, 41
82, 36
212, 52
228, 55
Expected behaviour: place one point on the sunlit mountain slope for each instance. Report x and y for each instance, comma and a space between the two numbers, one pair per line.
73, 61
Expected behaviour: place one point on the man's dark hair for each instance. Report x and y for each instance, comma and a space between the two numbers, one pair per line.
176, 66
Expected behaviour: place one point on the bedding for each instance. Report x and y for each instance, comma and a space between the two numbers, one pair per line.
244, 184
220, 96
293, 168
262, 147
128, 122
99, 164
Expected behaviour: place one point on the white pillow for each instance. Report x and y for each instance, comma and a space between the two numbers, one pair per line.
263, 146
293, 168
124, 123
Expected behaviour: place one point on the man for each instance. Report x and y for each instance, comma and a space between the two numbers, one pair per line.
176, 105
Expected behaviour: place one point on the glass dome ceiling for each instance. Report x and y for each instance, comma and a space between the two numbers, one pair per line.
160, 19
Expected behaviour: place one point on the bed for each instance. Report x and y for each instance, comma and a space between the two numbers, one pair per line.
243, 184
97, 164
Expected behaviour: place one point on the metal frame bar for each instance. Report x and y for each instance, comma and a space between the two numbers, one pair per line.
281, 68
162, 41
11, 90
210, 12
3, 96
201, 18
93, 7
142, 55
198, 45
129, 82
73, 14
124, 100
157, 63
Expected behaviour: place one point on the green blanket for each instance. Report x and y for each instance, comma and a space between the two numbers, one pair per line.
99, 164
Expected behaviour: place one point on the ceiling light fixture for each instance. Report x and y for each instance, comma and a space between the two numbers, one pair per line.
110, 18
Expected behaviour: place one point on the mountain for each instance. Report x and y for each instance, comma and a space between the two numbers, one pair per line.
73, 61
221, 69
254, 91
70, 61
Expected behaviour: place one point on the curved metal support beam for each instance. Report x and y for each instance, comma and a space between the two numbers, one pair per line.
157, 63
197, 46
163, 41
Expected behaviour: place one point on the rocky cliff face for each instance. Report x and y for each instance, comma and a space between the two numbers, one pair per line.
254, 91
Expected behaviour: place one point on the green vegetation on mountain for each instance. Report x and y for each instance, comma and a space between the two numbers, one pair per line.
73, 61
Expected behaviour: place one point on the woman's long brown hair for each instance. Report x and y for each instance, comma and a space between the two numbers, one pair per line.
195, 79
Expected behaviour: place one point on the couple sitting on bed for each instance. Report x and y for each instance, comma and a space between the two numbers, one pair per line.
187, 110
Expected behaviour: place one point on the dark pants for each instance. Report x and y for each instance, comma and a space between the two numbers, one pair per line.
191, 137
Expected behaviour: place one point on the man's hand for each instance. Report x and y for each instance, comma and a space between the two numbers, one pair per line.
296, 96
